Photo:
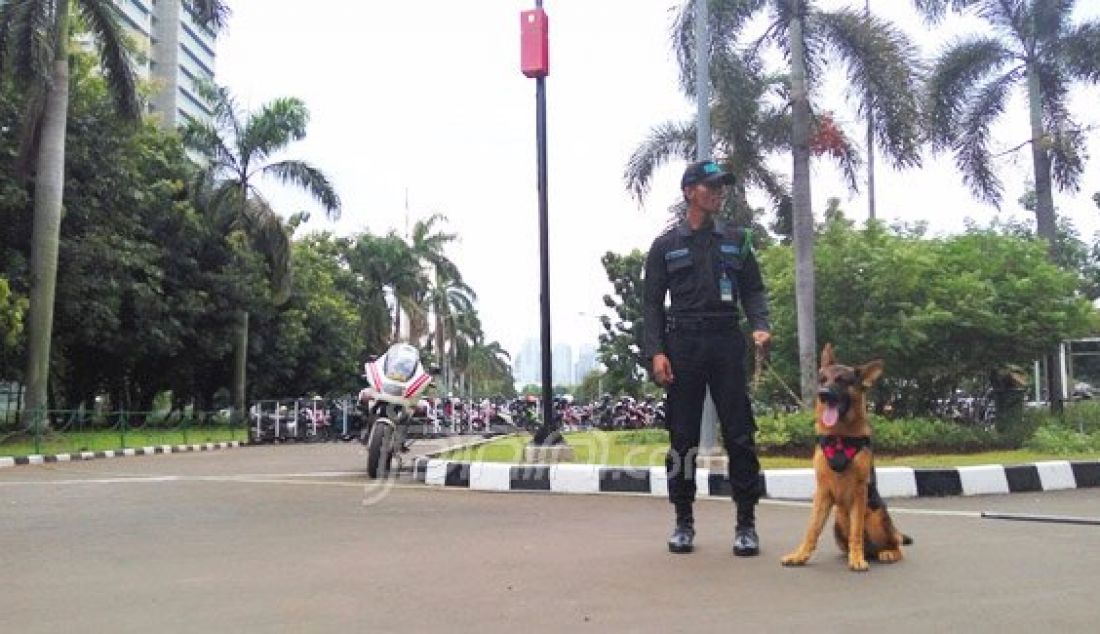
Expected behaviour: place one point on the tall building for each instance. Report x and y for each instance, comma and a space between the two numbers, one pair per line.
586, 362
178, 54
563, 364
528, 363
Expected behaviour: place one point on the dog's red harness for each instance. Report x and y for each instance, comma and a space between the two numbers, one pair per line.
840, 450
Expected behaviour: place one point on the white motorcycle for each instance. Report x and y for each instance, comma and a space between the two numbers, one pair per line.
395, 383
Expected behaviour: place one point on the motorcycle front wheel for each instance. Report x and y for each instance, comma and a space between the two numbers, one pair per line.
379, 450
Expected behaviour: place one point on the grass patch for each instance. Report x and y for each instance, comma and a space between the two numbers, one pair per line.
75, 442
647, 448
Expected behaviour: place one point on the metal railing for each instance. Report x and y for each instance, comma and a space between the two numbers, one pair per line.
53, 432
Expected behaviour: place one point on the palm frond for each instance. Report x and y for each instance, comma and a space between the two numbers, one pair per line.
429, 243
726, 19
843, 150
7, 18
30, 129
309, 178
102, 19
882, 71
1008, 16
1049, 18
957, 71
218, 200
773, 130
204, 138
222, 105
972, 153
33, 31
213, 14
1053, 91
1062, 136
1066, 140
1080, 51
665, 142
935, 11
272, 128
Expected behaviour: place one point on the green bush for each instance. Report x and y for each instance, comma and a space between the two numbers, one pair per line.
1076, 430
1059, 440
794, 433
1081, 416
785, 433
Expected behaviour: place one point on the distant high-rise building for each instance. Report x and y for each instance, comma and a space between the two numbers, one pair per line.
586, 362
178, 54
528, 364
563, 364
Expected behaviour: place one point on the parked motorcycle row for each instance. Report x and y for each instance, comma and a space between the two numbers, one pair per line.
394, 409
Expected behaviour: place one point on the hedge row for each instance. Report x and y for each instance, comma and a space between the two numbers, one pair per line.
1077, 430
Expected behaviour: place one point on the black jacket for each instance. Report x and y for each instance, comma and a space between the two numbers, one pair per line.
688, 265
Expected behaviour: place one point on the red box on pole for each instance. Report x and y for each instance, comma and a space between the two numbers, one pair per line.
534, 43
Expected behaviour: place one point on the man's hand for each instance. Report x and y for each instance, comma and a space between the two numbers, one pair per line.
662, 370
762, 339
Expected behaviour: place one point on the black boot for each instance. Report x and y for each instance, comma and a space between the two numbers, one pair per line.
746, 543
684, 534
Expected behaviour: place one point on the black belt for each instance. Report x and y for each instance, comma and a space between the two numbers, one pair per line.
721, 323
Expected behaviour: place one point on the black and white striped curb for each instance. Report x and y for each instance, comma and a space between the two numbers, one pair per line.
783, 484
8, 461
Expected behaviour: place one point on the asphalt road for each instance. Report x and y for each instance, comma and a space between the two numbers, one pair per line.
291, 539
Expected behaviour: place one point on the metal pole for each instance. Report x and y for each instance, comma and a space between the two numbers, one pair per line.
548, 427
708, 431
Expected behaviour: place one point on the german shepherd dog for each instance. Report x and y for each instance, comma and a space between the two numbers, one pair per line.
844, 470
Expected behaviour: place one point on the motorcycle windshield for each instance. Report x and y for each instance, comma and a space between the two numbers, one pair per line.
401, 362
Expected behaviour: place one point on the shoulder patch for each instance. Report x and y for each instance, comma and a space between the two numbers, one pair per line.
678, 253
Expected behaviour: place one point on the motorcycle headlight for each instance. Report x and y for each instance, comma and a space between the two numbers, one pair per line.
397, 375
394, 389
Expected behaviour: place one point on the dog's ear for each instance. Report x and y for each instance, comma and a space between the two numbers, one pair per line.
869, 372
827, 356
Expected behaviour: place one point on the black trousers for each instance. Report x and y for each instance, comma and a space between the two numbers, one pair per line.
715, 359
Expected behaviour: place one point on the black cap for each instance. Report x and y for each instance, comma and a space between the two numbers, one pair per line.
705, 171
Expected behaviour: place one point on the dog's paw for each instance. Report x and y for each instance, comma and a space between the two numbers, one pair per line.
797, 558
889, 556
858, 564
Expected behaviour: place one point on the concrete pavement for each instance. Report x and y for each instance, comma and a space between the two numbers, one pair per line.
291, 538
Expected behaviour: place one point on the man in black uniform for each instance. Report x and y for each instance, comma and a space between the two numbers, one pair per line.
707, 266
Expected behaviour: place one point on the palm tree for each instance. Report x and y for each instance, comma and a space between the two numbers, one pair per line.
464, 334
381, 264
747, 128
881, 62
1031, 45
237, 147
448, 294
34, 51
490, 365
457, 324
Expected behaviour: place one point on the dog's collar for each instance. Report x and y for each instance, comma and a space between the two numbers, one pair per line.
840, 450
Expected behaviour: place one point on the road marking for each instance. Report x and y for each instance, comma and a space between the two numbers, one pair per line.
303, 478
893, 509
1050, 519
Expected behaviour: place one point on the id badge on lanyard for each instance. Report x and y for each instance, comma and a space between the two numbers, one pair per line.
725, 288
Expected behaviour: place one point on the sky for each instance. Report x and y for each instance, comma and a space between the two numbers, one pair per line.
419, 107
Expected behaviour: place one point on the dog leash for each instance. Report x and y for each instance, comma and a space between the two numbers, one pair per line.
760, 364
758, 367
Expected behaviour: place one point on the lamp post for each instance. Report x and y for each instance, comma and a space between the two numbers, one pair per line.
535, 64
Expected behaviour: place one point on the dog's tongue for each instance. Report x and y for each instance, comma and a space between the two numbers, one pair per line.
830, 415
